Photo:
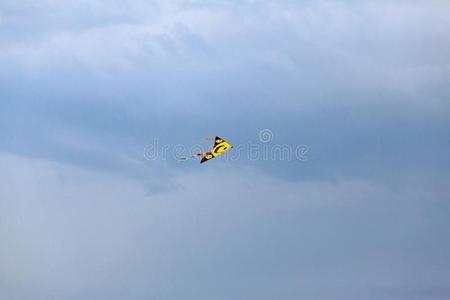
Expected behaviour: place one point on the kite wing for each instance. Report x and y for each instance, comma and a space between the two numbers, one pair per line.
206, 156
220, 147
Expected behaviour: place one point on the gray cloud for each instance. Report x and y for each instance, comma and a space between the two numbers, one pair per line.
363, 85
86, 86
74, 234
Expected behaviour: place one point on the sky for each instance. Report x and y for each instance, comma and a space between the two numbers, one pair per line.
336, 188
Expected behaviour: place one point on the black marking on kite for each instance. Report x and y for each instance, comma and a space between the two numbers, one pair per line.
207, 156
217, 141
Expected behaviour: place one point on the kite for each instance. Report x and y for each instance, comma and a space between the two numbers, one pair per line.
220, 147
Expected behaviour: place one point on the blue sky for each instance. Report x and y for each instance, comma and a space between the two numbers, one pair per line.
87, 86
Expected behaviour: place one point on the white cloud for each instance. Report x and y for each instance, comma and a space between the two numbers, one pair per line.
370, 52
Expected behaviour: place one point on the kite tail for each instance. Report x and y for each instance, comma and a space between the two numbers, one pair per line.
185, 158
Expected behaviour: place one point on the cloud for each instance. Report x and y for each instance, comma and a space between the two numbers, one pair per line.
338, 73
364, 43
72, 233
85, 87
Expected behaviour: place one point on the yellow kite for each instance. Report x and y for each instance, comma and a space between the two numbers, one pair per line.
220, 147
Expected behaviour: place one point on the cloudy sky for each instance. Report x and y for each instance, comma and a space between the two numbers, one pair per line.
98, 97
